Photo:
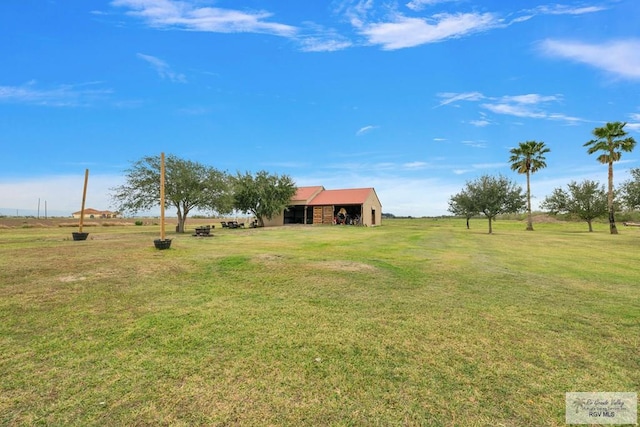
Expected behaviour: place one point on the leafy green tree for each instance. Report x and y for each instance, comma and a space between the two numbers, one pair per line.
630, 191
611, 140
586, 200
528, 158
264, 195
462, 204
494, 196
188, 185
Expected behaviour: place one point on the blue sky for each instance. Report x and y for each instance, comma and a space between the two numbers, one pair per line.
411, 97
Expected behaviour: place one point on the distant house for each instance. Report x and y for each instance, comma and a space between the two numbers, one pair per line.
90, 213
315, 205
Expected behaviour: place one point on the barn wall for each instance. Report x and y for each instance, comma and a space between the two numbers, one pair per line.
372, 204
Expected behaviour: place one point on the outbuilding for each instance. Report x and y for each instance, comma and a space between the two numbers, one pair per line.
315, 205
90, 213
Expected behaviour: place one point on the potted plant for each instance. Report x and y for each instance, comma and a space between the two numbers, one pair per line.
162, 243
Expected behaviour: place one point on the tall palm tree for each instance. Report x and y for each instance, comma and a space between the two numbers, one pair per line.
610, 139
528, 158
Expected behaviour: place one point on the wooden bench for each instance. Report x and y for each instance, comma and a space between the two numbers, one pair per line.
203, 231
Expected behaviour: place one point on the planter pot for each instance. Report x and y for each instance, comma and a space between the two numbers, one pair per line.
162, 244
79, 236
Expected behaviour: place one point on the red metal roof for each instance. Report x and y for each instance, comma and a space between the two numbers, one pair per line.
304, 194
351, 196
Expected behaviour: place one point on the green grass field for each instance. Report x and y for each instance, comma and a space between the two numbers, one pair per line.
418, 322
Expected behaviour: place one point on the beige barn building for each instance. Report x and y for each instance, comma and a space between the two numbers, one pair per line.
315, 205
90, 213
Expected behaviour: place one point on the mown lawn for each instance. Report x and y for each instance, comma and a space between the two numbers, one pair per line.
416, 322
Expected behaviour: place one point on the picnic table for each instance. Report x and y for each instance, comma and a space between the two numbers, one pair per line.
204, 231
232, 224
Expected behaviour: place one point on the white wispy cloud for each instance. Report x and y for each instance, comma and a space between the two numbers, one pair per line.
556, 9
189, 15
162, 68
324, 44
67, 95
395, 30
618, 57
530, 105
475, 144
635, 123
317, 38
398, 31
561, 9
565, 118
531, 98
415, 165
404, 32
365, 129
356, 11
480, 123
518, 110
483, 121
451, 97
461, 171
417, 5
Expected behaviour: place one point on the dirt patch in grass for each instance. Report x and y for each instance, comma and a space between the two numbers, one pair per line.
333, 265
270, 257
71, 278
340, 265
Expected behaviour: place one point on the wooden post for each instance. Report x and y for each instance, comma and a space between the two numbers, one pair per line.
162, 196
84, 198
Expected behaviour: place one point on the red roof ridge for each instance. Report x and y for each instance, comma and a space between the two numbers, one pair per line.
343, 196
